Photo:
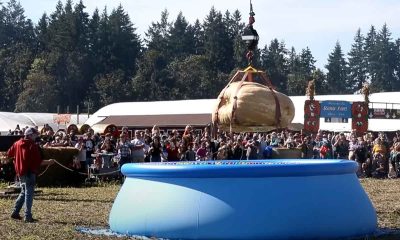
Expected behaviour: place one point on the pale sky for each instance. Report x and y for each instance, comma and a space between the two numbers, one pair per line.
317, 24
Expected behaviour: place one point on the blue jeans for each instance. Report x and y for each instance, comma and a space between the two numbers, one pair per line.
123, 160
26, 196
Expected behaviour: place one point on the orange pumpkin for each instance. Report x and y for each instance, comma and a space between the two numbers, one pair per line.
251, 107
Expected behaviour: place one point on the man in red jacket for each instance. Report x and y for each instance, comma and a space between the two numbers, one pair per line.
27, 160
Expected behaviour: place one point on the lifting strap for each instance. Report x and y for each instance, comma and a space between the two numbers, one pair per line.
248, 73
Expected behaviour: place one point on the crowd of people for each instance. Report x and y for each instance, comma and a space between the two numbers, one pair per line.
376, 155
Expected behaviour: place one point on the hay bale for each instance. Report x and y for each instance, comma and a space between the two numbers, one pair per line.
55, 174
255, 108
286, 153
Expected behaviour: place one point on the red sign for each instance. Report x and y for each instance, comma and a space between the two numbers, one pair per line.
359, 112
312, 110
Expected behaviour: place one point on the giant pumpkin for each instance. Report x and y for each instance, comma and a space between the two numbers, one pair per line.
249, 106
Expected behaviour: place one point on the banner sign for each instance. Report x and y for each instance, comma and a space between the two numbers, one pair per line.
335, 109
62, 118
383, 113
336, 120
311, 116
359, 121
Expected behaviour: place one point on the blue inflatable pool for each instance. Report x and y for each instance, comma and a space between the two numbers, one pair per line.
266, 199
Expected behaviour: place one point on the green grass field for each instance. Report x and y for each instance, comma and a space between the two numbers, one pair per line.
60, 210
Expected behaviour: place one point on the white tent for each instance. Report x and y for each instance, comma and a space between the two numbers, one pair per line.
206, 106
201, 106
9, 120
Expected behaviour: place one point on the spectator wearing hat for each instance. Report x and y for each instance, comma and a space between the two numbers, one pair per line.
27, 161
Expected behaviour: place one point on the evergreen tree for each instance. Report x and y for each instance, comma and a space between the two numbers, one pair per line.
191, 76
149, 84
89, 59
16, 53
198, 35
320, 82
397, 68
111, 87
2, 25
39, 92
357, 64
42, 35
217, 43
300, 70
274, 61
180, 39
235, 29
81, 34
337, 71
94, 37
296, 80
293, 61
371, 54
101, 42
115, 48
157, 34
126, 45
68, 55
307, 62
385, 79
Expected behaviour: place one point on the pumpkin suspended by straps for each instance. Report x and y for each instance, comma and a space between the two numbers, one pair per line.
252, 107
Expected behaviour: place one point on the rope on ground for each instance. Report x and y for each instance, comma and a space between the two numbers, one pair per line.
105, 174
47, 167
69, 169
81, 173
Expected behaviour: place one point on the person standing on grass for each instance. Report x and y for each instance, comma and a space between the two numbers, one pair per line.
27, 161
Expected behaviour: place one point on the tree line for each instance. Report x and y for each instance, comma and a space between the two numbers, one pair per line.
71, 58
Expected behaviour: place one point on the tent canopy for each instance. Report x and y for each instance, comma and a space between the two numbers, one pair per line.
139, 112
9, 120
